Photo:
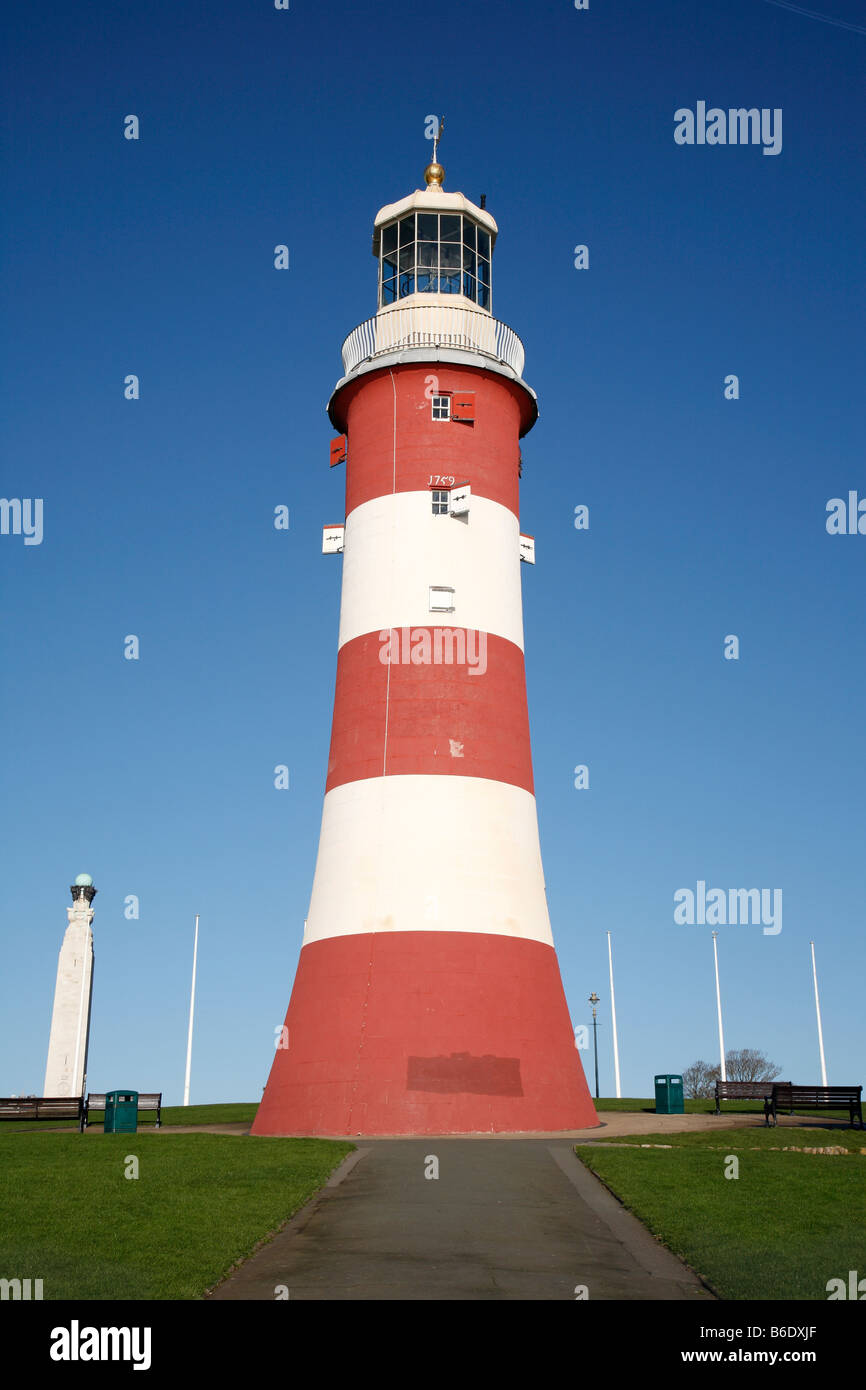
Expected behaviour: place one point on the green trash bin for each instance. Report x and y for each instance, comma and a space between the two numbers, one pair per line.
669, 1094
121, 1112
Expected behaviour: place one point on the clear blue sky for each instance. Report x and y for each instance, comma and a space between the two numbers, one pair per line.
707, 516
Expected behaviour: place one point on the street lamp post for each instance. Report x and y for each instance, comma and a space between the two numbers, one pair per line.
593, 999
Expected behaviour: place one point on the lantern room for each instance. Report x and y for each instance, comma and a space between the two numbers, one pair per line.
434, 243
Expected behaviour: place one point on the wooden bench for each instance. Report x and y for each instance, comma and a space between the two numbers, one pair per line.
43, 1108
147, 1100
743, 1090
791, 1098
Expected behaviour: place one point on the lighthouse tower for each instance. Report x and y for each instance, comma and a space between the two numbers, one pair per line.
428, 997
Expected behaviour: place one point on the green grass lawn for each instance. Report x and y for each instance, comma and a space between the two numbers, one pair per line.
201, 1202
241, 1113
756, 1136
244, 1112
781, 1230
636, 1104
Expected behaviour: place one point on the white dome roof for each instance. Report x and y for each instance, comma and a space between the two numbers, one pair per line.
432, 199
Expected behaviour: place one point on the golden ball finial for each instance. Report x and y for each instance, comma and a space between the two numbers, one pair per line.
434, 175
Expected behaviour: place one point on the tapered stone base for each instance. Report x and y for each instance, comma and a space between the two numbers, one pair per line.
426, 1032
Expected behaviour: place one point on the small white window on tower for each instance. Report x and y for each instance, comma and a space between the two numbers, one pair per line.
441, 598
441, 407
440, 501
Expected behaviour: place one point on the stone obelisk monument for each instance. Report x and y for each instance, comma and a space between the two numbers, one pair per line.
70, 1023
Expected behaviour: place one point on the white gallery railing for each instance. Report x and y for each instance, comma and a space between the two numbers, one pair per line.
433, 325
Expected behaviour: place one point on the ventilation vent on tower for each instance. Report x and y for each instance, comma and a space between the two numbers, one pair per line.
441, 598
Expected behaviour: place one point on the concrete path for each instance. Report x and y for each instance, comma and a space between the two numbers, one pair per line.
505, 1219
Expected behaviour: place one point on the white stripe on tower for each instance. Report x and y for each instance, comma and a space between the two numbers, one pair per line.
478, 557
429, 853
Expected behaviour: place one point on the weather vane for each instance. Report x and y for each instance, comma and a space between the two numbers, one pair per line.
437, 137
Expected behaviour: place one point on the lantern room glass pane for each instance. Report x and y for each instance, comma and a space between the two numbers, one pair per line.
407, 229
483, 272
484, 296
389, 291
407, 285
468, 233
449, 256
427, 255
449, 228
469, 260
407, 257
389, 238
468, 285
428, 226
450, 284
484, 243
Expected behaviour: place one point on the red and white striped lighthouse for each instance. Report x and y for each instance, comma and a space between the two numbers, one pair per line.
428, 998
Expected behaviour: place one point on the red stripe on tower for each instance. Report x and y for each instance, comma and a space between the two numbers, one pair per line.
426, 1033
398, 709
378, 403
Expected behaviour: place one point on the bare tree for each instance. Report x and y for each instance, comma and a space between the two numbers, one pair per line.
745, 1064
699, 1080
748, 1064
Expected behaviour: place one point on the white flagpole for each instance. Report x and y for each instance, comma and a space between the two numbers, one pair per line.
818, 1013
719, 1006
613, 1020
191, 1009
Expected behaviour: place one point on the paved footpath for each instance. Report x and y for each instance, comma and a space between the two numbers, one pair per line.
505, 1219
